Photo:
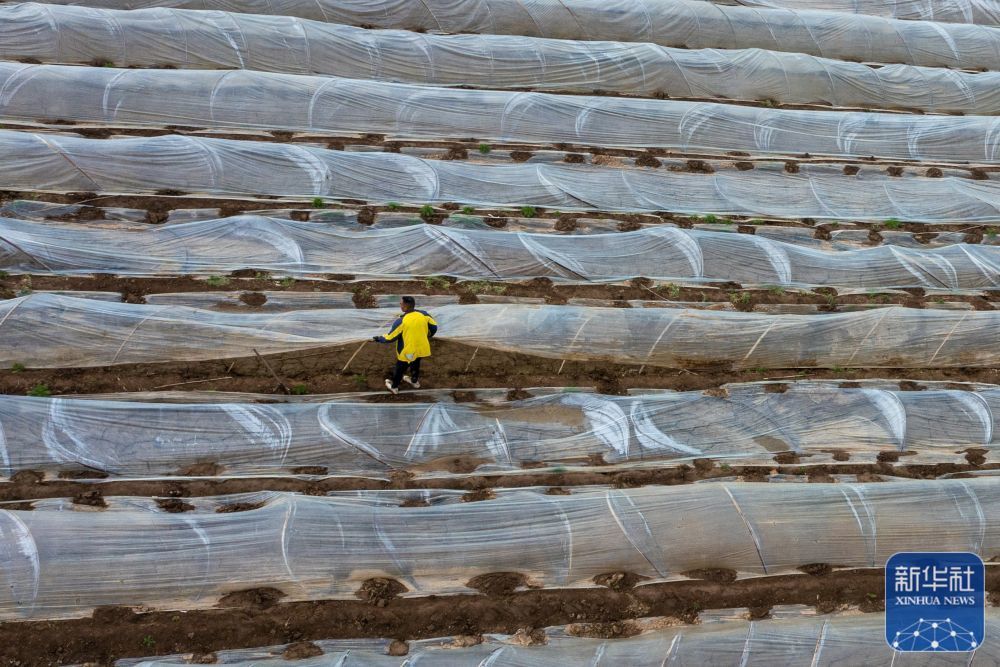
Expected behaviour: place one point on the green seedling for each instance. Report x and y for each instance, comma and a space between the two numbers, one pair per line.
892, 223
40, 390
436, 282
468, 210
673, 291
262, 275
217, 281
485, 287
24, 291
299, 389
4, 274
739, 298
148, 641
776, 290
991, 234
529, 211
318, 202
485, 148
392, 206
287, 281
711, 219
17, 368
361, 380
426, 211
837, 369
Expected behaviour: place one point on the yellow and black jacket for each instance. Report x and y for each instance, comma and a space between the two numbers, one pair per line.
412, 333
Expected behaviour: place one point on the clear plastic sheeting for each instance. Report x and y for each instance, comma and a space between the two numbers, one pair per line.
219, 99
216, 40
980, 12
57, 563
224, 167
354, 437
660, 252
679, 23
818, 641
50, 331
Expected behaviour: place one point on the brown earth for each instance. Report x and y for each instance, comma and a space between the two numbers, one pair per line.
114, 633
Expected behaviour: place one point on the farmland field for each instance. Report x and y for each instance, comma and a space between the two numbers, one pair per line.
717, 285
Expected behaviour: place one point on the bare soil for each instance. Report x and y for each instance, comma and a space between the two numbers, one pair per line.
114, 633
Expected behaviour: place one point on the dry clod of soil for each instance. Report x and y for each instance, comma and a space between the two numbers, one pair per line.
574, 158
457, 153
521, 156
558, 491
757, 613
792, 167
174, 505
518, 394
787, 458
776, 388
414, 502
619, 581
254, 299
366, 215
252, 598
841, 456
498, 584
978, 174
934, 172
90, 498
238, 507
566, 223
894, 171
27, 477
495, 221
851, 169
616, 630
700, 167
463, 396
529, 637
743, 165
206, 469
976, 456
717, 392
647, 160
478, 495
910, 385
398, 648
302, 650
465, 641
716, 575
310, 470
816, 569
204, 659
629, 226
379, 590
703, 465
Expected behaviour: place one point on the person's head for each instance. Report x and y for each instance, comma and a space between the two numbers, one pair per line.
407, 303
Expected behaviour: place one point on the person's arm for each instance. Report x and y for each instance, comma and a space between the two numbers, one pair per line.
394, 333
432, 326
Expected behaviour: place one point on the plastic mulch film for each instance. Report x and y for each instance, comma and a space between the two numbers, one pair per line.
219, 99
225, 167
192, 39
980, 12
354, 437
824, 641
53, 331
660, 252
687, 23
56, 563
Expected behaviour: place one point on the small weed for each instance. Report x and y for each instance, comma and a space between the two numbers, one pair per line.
485, 148
892, 223
833, 224
318, 202
262, 275
837, 369
760, 370
108, 63
426, 211
4, 274
468, 210
17, 368
711, 219
148, 641
673, 291
287, 281
392, 206
24, 291
217, 281
40, 390
871, 596
831, 300
939, 299
991, 234
528, 211
767, 103
299, 389
776, 289
436, 282
484, 287
360, 379
739, 298
725, 466
755, 221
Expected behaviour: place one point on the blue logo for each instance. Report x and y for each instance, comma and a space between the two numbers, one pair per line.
935, 601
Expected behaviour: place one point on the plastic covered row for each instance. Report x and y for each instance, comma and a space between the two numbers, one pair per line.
252, 100
56, 561
54, 331
679, 23
62, 163
216, 40
661, 252
823, 641
982, 12
355, 437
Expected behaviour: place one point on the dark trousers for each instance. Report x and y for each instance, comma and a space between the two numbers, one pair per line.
401, 367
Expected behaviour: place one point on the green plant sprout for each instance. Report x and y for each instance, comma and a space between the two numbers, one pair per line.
17, 368
217, 281
299, 389
318, 202
392, 206
485, 148
892, 223
426, 211
529, 211
468, 210
436, 282
40, 390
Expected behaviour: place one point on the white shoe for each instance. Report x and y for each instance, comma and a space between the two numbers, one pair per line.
392, 390
407, 380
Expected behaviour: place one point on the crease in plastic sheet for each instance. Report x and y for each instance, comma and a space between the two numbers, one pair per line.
891, 409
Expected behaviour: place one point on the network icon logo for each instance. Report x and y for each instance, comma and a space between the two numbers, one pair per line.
935, 635
935, 601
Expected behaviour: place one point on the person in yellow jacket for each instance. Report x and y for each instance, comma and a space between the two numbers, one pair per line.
412, 332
